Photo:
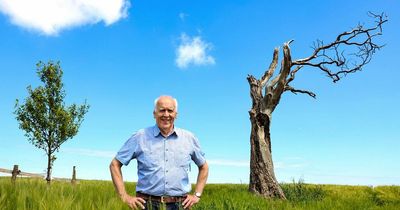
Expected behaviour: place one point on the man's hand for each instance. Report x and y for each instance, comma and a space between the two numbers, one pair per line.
190, 201
133, 202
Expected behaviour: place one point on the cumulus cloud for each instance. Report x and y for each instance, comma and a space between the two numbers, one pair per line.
193, 51
52, 16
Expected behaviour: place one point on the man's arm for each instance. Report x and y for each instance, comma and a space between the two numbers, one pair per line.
200, 184
116, 175
202, 178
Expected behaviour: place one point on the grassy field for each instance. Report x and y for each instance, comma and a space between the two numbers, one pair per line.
86, 195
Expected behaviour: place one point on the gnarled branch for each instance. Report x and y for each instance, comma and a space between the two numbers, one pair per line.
295, 91
271, 69
335, 61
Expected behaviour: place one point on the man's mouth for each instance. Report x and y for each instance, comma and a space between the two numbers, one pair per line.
166, 120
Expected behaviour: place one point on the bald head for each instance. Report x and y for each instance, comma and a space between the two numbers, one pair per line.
166, 97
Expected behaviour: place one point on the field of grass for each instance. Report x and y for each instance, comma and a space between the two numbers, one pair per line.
87, 195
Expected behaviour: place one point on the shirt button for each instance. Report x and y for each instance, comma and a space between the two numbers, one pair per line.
166, 171
166, 150
166, 160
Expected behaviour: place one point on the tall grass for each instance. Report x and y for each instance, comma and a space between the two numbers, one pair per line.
302, 192
87, 195
36, 194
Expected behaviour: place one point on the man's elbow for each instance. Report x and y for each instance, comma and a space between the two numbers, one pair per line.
115, 164
204, 167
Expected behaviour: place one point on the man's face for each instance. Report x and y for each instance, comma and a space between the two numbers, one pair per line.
165, 114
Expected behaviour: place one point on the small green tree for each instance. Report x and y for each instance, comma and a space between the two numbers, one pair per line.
46, 120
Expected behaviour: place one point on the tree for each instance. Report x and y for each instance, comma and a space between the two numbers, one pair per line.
46, 120
332, 59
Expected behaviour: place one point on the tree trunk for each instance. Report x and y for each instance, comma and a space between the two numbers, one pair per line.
49, 163
262, 176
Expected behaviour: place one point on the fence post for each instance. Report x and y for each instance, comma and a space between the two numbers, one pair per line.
73, 180
14, 173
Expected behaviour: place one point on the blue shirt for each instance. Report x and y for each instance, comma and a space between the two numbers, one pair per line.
163, 162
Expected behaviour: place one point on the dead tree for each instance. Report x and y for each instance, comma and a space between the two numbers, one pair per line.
348, 53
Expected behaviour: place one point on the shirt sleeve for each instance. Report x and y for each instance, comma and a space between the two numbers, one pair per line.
197, 155
128, 150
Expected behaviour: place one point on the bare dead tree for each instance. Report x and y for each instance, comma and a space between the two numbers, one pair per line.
348, 53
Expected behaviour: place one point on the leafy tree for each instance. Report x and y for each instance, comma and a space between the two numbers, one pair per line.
43, 116
347, 54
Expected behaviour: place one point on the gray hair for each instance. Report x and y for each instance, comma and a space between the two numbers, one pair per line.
174, 99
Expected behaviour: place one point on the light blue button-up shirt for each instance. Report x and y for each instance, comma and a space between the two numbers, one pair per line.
163, 162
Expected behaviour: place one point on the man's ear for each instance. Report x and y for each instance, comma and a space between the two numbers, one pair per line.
154, 114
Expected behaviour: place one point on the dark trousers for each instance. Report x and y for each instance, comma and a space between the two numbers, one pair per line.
154, 205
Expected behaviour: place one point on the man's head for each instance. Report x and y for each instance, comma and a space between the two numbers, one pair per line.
165, 112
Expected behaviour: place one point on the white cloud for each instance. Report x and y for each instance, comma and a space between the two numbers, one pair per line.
90, 152
246, 164
291, 163
182, 16
193, 51
238, 163
52, 16
285, 165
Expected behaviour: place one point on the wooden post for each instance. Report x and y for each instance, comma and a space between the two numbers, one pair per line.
14, 173
73, 180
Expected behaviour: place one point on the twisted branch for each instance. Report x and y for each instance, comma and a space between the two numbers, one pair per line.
332, 59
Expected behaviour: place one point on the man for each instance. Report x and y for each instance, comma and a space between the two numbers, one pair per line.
163, 153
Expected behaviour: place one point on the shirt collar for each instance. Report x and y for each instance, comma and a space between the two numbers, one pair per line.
156, 131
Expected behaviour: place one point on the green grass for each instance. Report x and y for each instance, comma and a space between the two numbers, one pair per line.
86, 195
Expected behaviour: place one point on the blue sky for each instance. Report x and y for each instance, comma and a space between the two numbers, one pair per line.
121, 55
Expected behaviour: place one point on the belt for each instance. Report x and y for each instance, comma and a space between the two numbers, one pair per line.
161, 199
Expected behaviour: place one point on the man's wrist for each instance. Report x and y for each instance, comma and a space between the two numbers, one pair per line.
197, 194
123, 196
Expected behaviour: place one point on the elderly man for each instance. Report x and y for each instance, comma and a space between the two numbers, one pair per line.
163, 153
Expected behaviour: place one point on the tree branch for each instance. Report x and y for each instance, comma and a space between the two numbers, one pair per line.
360, 45
255, 94
271, 69
295, 91
293, 73
285, 70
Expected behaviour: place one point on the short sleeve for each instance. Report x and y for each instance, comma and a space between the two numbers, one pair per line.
197, 155
128, 150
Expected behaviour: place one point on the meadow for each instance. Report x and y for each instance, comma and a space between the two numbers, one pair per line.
30, 193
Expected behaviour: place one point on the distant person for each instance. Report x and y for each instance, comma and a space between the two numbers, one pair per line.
163, 154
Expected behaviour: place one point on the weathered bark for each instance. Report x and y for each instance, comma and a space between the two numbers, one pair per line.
262, 176
266, 92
